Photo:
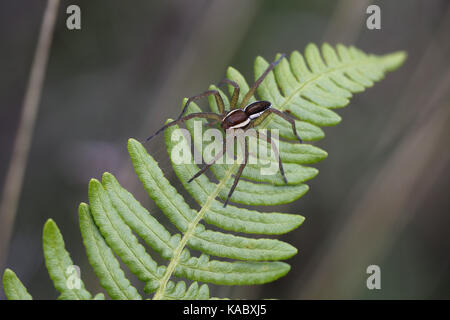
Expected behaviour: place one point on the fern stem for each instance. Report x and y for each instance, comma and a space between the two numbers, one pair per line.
189, 232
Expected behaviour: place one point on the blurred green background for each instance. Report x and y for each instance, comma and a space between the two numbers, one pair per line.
381, 197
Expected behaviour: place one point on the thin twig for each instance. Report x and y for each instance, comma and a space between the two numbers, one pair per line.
14, 178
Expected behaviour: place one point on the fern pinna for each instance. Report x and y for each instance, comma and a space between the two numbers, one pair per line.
309, 87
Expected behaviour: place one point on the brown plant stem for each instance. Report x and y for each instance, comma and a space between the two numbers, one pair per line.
16, 171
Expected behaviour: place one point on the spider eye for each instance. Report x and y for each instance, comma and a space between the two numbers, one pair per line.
255, 109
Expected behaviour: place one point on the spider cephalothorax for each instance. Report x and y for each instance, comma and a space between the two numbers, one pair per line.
243, 118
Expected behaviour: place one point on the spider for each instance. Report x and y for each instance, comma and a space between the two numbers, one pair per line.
245, 117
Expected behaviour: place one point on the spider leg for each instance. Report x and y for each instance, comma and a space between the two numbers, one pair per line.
235, 97
260, 119
216, 94
212, 124
206, 115
255, 86
277, 154
206, 167
288, 118
239, 173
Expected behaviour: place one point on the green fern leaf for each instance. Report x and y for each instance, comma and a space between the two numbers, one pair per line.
58, 262
102, 259
179, 292
14, 289
310, 87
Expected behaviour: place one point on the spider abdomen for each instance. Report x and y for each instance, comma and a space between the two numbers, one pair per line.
256, 109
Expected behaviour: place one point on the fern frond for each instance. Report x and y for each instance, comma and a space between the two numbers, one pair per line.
58, 262
102, 259
14, 289
179, 292
214, 243
310, 87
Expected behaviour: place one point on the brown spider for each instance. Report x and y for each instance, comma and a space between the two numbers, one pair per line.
245, 117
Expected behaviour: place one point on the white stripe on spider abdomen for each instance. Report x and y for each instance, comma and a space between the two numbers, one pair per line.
256, 115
